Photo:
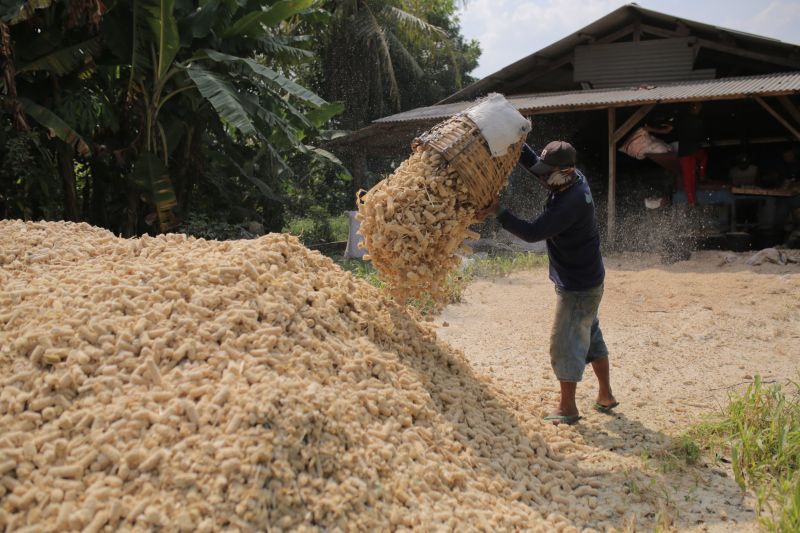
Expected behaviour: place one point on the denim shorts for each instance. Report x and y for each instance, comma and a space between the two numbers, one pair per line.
576, 339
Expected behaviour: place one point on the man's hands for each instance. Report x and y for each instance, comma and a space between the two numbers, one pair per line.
484, 213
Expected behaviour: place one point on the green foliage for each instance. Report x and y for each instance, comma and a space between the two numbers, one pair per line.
183, 83
318, 227
382, 56
210, 227
29, 185
760, 432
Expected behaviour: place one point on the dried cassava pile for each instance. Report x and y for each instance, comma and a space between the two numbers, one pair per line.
197, 385
414, 221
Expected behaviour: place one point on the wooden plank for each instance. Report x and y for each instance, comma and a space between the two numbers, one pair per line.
659, 32
758, 191
631, 122
778, 117
756, 140
790, 108
757, 56
612, 177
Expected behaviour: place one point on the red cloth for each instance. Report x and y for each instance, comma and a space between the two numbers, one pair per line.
689, 165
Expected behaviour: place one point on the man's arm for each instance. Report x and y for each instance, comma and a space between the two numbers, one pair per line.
528, 157
553, 221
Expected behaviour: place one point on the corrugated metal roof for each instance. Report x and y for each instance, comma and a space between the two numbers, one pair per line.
617, 19
720, 89
633, 63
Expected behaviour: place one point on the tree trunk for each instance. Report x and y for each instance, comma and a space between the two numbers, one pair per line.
101, 177
132, 211
359, 169
66, 167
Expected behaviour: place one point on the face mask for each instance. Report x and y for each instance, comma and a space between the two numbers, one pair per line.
560, 178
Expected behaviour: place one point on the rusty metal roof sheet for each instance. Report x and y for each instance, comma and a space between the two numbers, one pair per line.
720, 89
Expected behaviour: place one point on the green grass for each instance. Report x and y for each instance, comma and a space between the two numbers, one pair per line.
759, 432
458, 280
320, 229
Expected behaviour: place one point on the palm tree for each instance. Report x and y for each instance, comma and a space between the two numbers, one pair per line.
369, 44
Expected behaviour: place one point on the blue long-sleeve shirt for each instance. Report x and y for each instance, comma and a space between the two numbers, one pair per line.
569, 226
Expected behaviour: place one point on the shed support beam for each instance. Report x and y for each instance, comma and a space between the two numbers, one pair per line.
612, 176
631, 122
790, 108
741, 52
778, 117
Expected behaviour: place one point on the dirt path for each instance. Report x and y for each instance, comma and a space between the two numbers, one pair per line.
681, 338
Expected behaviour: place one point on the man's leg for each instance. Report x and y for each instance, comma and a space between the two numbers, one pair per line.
565, 344
567, 405
688, 165
702, 162
604, 395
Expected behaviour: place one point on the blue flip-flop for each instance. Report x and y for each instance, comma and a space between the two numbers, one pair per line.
562, 419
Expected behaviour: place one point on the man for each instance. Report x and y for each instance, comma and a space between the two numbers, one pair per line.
691, 134
569, 226
744, 172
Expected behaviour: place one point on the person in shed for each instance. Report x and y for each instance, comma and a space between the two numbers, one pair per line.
690, 132
569, 226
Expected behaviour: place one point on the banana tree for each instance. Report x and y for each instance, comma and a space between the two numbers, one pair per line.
252, 100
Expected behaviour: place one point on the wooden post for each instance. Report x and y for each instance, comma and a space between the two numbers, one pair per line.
612, 176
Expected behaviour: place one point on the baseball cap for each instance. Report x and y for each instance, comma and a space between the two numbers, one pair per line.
556, 154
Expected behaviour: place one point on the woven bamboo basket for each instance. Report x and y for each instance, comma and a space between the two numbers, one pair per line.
462, 147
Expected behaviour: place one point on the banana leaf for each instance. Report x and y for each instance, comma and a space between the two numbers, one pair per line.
223, 97
269, 75
56, 125
64, 60
254, 24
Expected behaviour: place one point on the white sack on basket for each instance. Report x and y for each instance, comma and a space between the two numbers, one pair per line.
500, 123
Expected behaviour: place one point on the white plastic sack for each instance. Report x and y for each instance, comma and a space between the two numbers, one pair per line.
352, 251
500, 123
641, 143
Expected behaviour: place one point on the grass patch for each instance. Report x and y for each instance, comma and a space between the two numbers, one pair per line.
457, 281
759, 433
318, 229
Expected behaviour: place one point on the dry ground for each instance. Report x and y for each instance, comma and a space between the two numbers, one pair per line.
682, 337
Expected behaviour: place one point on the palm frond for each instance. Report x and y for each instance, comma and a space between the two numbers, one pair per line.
413, 21
405, 55
386, 58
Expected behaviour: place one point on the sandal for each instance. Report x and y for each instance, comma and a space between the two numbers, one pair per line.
605, 409
561, 419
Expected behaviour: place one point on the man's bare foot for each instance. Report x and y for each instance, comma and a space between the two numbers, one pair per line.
607, 400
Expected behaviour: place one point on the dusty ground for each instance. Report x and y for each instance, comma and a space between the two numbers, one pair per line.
682, 337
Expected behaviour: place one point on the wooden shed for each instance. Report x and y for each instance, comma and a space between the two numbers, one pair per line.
615, 72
